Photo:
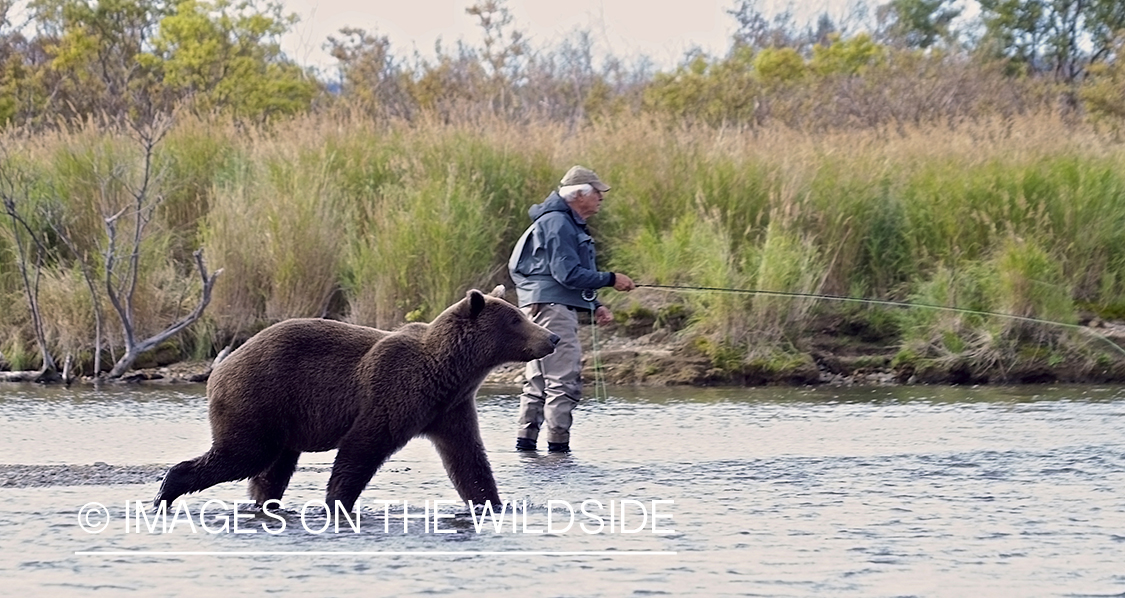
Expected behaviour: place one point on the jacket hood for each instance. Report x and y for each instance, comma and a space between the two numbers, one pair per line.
553, 203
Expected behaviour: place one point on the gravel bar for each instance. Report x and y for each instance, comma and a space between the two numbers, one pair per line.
98, 474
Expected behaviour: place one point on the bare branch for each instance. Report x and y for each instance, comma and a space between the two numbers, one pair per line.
8, 194
133, 351
110, 258
64, 234
121, 289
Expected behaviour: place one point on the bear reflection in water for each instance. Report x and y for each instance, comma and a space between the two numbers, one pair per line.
307, 385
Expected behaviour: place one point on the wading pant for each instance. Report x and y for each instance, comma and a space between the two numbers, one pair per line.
553, 385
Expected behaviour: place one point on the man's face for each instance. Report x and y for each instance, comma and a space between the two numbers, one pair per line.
587, 205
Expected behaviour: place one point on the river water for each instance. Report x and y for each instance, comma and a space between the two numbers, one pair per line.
904, 491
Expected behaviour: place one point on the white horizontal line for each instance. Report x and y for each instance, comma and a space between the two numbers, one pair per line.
377, 553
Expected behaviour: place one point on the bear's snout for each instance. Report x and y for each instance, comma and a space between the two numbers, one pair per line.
541, 343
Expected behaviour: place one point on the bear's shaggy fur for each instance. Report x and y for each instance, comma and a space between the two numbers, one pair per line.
315, 385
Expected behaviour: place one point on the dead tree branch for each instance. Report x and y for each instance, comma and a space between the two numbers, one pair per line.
134, 349
20, 227
63, 233
121, 287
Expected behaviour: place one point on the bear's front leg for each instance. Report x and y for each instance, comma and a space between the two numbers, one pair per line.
357, 460
456, 436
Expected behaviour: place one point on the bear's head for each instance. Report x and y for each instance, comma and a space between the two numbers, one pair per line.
491, 331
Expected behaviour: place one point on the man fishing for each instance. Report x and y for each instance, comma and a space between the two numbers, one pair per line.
554, 269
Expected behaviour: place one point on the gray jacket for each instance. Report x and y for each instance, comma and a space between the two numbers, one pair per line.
554, 260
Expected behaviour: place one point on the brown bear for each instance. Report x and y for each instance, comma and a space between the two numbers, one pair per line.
315, 385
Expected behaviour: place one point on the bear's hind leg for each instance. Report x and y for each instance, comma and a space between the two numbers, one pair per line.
216, 466
177, 482
271, 483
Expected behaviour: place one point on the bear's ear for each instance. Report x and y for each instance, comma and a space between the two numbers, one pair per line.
476, 302
498, 291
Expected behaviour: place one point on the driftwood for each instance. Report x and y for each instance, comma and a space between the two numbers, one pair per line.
204, 376
30, 376
220, 357
68, 369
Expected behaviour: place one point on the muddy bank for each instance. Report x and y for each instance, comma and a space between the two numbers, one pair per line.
835, 352
663, 359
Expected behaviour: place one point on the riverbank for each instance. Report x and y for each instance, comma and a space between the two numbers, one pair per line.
1023, 216
832, 354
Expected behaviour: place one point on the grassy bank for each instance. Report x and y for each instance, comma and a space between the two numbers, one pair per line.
379, 223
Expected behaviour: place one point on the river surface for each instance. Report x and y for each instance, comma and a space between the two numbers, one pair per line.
904, 491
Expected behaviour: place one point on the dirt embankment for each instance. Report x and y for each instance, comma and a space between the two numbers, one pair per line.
834, 352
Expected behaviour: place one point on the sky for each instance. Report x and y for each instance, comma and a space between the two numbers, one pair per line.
660, 29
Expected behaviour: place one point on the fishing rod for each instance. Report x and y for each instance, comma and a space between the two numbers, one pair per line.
886, 302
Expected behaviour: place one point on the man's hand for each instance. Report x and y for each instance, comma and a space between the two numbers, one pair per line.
622, 282
603, 316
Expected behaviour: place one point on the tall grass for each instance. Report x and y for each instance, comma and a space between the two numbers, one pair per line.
1024, 215
275, 228
195, 158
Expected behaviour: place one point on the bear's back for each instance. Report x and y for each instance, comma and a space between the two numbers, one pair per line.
301, 371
